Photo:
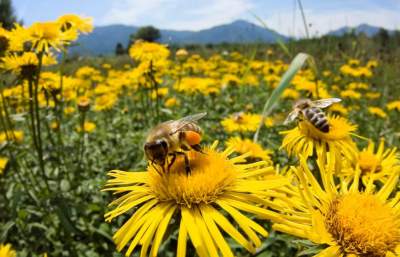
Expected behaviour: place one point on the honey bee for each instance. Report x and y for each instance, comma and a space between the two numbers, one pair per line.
312, 111
172, 138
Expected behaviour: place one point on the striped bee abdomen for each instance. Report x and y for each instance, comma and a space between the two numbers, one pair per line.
317, 117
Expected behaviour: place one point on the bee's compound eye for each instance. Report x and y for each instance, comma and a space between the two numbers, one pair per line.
164, 144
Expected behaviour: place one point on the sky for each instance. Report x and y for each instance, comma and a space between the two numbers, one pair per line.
283, 16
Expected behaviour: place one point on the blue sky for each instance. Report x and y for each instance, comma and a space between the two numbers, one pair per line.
282, 15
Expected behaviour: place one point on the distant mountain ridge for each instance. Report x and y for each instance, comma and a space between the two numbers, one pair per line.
103, 39
362, 28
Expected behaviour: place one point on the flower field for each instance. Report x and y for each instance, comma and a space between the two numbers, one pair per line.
76, 180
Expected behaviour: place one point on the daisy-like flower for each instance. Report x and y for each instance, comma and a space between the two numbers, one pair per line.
200, 202
25, 64
348, 221
378, 162
46, 35
395, 105
243, 146
241, 122
377, 112
88, 127
306, 140
3, 165
146, 51
75, 22
7, 251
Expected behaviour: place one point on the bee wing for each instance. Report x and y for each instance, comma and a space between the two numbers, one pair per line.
192, 118
323, 103
291, 117
181, 123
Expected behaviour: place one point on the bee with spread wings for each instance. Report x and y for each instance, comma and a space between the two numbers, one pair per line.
172, 138
312, 111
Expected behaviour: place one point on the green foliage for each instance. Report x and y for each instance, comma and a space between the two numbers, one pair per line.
7, 16
147, 33
119, 49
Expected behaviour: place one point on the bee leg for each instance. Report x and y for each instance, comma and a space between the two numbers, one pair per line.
172, 160
197, 148
187, 164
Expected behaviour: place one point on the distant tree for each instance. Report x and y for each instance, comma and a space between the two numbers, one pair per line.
147, 33
119, 49
7, 17
383, 37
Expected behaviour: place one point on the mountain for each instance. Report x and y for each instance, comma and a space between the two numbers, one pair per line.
362, 28
104, 39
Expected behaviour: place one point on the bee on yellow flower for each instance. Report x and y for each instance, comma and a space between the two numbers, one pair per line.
207, 205
306, 139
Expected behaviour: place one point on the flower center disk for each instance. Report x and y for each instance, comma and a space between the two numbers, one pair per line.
361, 224
211, 173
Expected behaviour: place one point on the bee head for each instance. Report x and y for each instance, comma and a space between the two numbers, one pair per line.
302, 104
156, 151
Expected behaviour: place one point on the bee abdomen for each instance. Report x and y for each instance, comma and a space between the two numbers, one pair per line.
317, 117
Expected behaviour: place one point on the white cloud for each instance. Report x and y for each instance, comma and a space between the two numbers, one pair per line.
175, 14
324, 21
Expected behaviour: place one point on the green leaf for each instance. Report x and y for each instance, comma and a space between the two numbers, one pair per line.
294, 67
4, 230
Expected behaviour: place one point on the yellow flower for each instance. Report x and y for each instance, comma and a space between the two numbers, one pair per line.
191, 85
88, 127
372, 64
194, 202
25, 64
241, 122
7, 251
373, 95
181, 54
15, 135
306, 139
243, 146
395, 105
290, 94
146, 51
105, 102
171, 102
161, 92
46, 35
377, 112
350, 94
338, 108
72, 21
347, 221
3, 164
379, 164
69, 110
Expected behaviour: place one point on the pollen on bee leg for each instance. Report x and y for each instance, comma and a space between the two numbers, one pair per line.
193, 138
